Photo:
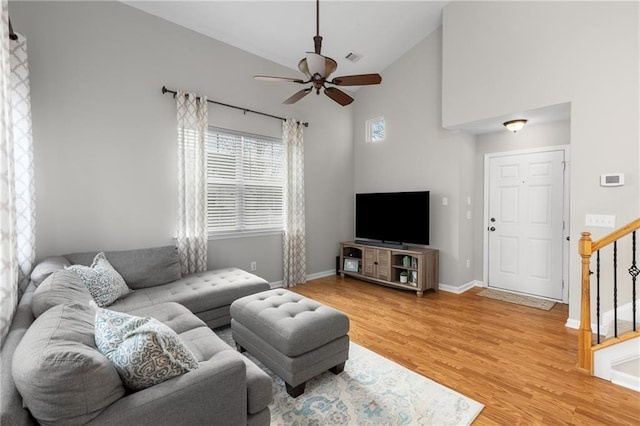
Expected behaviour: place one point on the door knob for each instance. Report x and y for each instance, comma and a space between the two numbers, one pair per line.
493, 228
493, 219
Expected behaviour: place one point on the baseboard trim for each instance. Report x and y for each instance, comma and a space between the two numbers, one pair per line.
321, 274
276, 284
315, 276
575, 324
460, 289
571, 323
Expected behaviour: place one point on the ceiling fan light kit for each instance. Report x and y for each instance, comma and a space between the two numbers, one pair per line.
317, 69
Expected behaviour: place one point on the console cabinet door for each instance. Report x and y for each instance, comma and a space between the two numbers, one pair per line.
369, 262
384, 265
377, 263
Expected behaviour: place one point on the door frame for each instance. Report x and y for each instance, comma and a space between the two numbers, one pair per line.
565, 211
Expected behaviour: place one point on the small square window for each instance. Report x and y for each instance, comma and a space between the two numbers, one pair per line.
375, 129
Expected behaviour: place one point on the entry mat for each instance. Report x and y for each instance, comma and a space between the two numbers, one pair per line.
518, 299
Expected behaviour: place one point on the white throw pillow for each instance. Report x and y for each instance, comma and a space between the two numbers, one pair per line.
105, 284
144, 351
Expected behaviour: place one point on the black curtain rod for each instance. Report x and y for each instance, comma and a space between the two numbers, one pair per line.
245, 110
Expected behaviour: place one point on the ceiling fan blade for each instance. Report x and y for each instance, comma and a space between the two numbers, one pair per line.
297, 96
338, 95
269, 78
357, 80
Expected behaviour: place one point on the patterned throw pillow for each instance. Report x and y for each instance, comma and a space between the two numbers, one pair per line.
105, 284
144, 351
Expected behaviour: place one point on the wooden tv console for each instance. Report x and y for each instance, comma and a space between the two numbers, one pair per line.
382, 265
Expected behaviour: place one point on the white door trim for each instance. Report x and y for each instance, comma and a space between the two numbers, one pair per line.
565, 211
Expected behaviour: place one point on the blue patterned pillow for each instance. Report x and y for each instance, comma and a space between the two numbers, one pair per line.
144, 351
105, 284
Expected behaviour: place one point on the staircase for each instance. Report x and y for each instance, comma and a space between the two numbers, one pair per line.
627, 373
612, 350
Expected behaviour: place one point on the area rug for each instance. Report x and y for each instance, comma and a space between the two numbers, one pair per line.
371, 390
518, 299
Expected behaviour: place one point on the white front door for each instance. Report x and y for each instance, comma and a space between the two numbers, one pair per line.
525, 223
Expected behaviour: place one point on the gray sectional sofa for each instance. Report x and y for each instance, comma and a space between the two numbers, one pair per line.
52, 372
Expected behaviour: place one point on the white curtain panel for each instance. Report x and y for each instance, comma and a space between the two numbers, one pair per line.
192, 190
25, 182
17, 210
295, 267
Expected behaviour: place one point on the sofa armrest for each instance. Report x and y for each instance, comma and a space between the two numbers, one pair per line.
48, 266
214, 393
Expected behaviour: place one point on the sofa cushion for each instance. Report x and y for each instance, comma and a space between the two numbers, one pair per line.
11, 407
62, 377
174, 315
61, 287
144, 351
206, 346
199, 292
140, 268
48, 266
105, 284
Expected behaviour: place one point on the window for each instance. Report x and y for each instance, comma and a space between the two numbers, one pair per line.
244, 182
375, 129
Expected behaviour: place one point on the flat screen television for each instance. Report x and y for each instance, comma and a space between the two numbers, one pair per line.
393, 217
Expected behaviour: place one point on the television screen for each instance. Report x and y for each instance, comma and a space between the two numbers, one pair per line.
394, 217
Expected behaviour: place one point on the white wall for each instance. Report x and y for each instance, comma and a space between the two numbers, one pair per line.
417, 153
507, 57
105, 138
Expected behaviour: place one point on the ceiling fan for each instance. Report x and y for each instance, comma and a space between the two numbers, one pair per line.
317, 69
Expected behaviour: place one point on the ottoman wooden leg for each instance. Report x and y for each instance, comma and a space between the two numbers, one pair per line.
337, 369
295, 392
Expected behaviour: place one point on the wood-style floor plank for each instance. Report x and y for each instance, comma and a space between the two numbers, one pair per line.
519, 362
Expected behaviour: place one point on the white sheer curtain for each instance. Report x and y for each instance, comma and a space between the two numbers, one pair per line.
17, 186
294, 219
192, 191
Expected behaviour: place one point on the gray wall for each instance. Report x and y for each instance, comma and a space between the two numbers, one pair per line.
418, 154
505, 57
105, 137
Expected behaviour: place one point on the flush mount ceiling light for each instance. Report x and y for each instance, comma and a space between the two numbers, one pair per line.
515, 125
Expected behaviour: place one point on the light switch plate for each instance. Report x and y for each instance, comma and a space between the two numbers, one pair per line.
601, 220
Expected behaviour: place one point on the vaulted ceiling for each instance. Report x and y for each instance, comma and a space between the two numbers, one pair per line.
282, 31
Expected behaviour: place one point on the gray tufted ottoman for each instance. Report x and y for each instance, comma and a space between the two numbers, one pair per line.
296, 337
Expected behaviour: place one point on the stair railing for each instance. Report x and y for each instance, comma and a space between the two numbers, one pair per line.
587, 248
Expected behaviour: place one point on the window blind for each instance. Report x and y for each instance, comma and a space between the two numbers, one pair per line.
244, 182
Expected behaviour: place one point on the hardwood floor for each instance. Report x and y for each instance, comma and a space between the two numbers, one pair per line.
519, 362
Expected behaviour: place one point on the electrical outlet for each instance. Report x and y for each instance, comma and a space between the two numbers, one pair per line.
254, 265
468, 263
600, 220
445, 201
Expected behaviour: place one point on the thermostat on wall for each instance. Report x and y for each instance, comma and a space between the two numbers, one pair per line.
612, 179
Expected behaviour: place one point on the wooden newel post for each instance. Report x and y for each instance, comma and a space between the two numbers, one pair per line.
585, 359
